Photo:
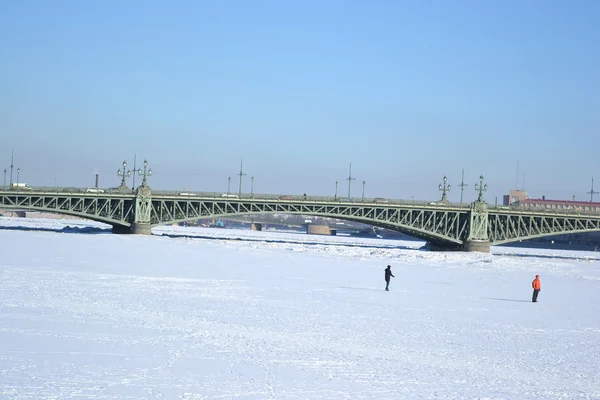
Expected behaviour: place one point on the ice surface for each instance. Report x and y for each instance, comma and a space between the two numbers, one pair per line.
231, 314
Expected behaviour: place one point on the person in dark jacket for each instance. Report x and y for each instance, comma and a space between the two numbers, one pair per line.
388, 274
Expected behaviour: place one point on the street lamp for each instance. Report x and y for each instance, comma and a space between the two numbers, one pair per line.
4, 178
251, 186
444, 188
124, 174
146, 174
481, 188
18, 171
228, 185
363, 193
55, 187
336, 186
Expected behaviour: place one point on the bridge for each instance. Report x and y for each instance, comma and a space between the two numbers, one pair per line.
446, 226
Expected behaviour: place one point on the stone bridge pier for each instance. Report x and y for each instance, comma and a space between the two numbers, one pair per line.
478, 239
141, 214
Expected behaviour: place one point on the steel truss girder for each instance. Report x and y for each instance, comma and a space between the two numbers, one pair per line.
507, 227
111, 210
441, 225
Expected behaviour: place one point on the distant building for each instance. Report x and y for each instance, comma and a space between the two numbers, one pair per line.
519, 198
558, 205
514, 197
580, 241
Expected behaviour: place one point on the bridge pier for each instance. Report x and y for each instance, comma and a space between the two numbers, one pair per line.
121, 229
141, 228
481, 246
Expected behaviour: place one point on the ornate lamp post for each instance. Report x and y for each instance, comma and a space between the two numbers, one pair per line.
146, 174
481, 188
444, 188
124, 174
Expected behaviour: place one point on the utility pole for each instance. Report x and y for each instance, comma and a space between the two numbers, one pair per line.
350, 179
12, 159
133, 184
591, 192
240, 175
462, 185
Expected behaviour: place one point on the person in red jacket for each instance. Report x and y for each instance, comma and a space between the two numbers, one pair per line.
537, 286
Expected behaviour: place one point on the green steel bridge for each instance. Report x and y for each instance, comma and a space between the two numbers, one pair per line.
471, 227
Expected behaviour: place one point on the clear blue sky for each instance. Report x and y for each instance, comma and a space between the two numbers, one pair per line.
408, 91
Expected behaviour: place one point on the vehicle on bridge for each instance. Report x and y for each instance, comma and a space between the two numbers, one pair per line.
94, 190
21, 186
230, 195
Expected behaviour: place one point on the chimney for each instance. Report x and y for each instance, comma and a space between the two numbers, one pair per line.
96, 181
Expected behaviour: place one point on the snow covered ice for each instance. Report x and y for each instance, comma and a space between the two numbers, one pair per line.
231, 314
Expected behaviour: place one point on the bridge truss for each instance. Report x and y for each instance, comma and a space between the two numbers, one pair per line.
442, 224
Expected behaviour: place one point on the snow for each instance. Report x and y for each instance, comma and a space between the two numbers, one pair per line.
199, 313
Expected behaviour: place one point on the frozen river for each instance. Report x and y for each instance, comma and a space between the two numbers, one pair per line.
224, 314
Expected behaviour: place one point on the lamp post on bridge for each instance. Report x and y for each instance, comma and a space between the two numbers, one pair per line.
462, 185
241, 174
336, 186
592, 192
18, 171
481, 188
444, 188
146, 174
228, 185
124, 174
252, 186
4, 186
363, 192
350, 179
55, 187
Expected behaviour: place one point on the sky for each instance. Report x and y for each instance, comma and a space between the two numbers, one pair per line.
406, 91
255, 315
